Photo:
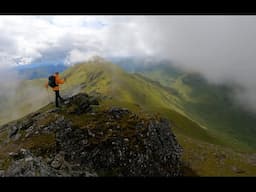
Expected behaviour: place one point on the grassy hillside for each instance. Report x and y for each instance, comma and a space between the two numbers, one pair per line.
206, 159
210, 105
28, 96
140, 94
132, 91
203, 150
187, 101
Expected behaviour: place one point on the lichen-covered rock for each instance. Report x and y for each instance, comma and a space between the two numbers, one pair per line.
151, 150
78, 141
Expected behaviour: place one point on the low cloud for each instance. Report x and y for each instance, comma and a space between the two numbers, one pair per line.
18, 97
222, 48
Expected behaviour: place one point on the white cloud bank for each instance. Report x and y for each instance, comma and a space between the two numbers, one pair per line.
223, 48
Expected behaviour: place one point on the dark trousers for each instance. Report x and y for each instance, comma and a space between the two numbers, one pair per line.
57, 97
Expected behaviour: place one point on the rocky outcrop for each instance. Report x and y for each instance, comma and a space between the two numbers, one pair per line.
78, 140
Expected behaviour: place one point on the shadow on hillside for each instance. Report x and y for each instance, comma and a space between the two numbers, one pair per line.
187, 171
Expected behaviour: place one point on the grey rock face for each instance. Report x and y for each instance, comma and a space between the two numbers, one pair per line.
13, 131
159, 154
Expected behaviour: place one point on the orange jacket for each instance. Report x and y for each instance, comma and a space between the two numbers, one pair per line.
58, 81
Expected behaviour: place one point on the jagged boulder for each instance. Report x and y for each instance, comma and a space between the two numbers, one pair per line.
149, 149
80, 103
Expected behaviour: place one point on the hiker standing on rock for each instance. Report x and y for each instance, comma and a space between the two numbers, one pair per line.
53, 82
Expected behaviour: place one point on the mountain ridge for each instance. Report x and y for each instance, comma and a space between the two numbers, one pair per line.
112, 86
79, 140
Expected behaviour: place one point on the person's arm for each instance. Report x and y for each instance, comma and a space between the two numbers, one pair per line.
59, 80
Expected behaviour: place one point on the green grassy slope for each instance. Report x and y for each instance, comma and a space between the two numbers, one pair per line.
30, 95
140, 94
110, 80
206, 159
186, 99
210, 105
199, 157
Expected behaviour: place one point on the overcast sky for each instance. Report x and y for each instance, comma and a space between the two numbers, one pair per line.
223, 48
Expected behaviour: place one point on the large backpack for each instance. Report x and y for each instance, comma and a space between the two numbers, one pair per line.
51, 81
